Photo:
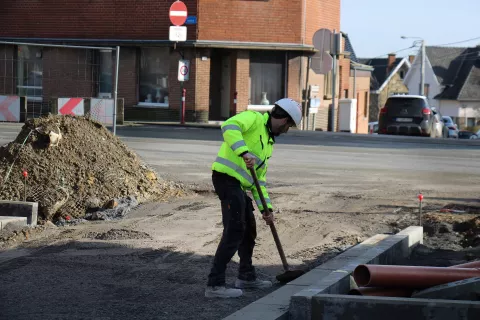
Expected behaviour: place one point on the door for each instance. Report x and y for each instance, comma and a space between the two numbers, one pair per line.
225, 87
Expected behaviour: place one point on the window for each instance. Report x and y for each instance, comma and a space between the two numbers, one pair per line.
267, 77
30, 72
426, 89
327, 81
154, 67
470, 122
402, 74
345, 93
365, 106
105, 74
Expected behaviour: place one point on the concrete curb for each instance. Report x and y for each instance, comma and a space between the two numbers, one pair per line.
12, 222
20, 209
293, 301
343, 307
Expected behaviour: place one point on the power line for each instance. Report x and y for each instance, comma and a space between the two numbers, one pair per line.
448, 44
414, 46
386, 54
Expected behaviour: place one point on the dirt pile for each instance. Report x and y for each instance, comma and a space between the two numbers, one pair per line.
75, 165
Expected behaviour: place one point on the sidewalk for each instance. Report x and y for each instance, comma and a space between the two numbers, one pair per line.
215, 125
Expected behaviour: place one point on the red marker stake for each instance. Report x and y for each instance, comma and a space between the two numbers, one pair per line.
25, 175
420, 199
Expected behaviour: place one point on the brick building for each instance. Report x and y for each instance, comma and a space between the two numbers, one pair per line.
256, 48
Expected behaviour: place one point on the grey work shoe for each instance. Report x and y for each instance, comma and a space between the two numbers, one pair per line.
222, 292
255, 284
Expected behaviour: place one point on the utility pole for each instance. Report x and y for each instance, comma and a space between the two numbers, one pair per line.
422, 75
422, 72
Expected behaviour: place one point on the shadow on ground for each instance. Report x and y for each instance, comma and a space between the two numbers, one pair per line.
100, 280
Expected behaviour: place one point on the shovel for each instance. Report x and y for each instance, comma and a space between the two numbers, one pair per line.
288, 275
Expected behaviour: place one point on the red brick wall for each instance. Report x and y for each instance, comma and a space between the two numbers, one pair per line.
294, 65
321, 14
8, 68
363, 88
242, 76
95, 19
202, 80
256, 21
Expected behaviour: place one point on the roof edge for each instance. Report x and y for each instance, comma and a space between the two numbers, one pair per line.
394, 71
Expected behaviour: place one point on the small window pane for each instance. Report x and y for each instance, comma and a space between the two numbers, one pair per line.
154, 67
105, 72
267, 81
29, 71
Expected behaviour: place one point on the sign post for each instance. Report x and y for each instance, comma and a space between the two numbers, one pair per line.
178, 32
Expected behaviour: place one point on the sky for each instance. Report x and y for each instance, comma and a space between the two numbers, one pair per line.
375, 26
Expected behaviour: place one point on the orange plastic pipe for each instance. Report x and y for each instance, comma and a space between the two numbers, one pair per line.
382, 292
409, 276
473, 264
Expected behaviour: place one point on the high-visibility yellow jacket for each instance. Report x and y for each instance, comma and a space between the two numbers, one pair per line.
246, 132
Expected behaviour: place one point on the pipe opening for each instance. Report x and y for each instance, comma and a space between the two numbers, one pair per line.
355, 292
362, 275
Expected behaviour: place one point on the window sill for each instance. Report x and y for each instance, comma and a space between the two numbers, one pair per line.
152, 105
260, 107
34, 99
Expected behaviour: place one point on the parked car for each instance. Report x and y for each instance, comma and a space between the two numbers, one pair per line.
410, 115
440, 128
373, 127
451, 126
467, 135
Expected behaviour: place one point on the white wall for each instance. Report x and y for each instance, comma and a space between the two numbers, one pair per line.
455, 108
412, 80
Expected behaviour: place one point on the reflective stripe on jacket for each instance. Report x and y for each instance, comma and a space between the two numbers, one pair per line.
246, 132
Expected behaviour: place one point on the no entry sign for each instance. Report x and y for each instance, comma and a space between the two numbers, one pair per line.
178, 13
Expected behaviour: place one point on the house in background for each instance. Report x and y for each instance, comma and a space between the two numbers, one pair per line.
359, 84
387, 79
452, 82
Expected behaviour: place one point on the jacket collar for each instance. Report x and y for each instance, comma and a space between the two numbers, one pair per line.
267, 118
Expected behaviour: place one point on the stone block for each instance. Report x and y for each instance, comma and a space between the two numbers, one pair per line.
20, 209
12, 223
344, 307
468, 289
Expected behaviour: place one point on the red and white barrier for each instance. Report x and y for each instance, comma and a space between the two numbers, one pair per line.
10, 108
71, 106
101, 110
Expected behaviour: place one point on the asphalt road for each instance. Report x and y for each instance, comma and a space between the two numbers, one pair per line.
185, 154
332, 188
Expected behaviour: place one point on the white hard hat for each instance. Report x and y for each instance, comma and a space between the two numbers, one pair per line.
293, 108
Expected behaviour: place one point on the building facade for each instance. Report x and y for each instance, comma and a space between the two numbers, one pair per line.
242, 54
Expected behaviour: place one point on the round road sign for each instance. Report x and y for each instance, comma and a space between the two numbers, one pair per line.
184, 70
178, 13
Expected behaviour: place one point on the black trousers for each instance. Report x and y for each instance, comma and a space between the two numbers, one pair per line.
239, 230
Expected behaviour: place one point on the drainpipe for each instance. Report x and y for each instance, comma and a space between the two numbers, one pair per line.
409, 277
355, 83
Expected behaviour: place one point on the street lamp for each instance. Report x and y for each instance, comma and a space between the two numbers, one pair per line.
422, 74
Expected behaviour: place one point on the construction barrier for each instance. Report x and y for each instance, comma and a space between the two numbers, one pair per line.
10, 108
101, 110
71, 106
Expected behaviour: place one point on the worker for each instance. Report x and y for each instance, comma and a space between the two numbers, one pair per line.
248, 143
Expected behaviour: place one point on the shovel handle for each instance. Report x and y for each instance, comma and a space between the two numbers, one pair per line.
272, 225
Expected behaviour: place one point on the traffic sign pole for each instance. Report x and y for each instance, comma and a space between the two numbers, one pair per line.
178, 15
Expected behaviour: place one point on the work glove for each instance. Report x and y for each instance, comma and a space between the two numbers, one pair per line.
268, 217
249, 160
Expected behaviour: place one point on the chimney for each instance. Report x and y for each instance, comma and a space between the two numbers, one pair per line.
411, 58
391, 61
